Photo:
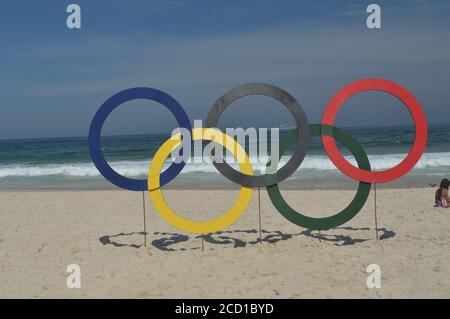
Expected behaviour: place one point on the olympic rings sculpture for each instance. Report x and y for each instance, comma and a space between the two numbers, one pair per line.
271, 179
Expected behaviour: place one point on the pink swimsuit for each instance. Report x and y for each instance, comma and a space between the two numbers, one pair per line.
444, 202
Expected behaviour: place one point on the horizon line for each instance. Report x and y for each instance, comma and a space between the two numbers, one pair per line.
161, 133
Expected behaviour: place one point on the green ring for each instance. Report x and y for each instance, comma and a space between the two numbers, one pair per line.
347, 213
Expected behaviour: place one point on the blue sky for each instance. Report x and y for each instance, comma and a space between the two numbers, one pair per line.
53, 79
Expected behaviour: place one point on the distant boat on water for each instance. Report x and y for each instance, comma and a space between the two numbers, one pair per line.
285, 127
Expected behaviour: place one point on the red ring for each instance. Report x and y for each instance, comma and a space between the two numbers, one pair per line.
413, 106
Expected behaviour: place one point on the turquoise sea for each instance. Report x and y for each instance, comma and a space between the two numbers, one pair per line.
64, 163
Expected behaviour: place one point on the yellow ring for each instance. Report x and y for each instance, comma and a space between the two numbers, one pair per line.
168, 214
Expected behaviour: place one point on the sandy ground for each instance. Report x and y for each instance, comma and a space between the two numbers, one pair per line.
43, 232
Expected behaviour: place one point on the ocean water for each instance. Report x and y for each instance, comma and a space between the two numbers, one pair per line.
65, 162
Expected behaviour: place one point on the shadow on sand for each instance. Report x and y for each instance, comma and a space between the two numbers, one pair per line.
167, 241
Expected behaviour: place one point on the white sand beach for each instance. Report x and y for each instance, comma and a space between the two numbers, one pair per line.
42, 232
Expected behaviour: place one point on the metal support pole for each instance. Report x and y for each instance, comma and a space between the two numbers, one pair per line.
376, 221
145, 226
259, 213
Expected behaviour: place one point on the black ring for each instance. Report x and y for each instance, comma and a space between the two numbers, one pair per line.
300, 119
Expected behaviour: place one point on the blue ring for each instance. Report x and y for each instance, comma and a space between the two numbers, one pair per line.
100, 117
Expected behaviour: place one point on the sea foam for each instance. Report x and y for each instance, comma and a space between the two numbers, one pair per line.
140, 168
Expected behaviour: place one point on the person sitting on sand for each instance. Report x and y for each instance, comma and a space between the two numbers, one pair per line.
441, 198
